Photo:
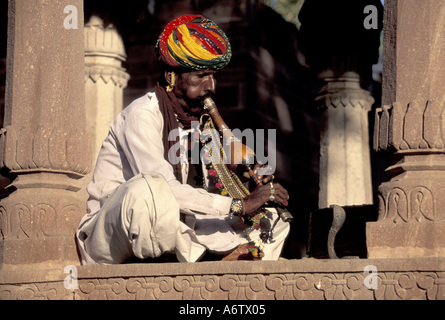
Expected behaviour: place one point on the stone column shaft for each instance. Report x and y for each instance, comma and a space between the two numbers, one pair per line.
345, 170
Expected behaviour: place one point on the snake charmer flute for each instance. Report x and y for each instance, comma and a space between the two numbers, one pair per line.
239, 153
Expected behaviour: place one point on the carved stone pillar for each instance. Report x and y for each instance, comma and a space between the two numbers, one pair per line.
105, 79
410, 128
345, 169
341, 51
44, 139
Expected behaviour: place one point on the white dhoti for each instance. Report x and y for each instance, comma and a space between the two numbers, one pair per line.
141, 218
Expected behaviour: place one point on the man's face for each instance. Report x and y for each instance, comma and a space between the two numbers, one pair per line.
191, 88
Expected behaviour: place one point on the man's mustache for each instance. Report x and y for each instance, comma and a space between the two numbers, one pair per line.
199, 101
204, 96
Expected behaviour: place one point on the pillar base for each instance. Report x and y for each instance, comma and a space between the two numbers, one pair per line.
405, 240
45, 252
38, 221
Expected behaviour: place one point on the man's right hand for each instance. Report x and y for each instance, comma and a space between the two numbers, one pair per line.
262, 195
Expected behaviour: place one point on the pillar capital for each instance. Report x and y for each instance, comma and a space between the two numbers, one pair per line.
104, 54
344, 91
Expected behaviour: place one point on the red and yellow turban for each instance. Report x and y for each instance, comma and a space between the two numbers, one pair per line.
194, 42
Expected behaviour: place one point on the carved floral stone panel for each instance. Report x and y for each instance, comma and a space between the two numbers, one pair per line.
294, 286
341, 279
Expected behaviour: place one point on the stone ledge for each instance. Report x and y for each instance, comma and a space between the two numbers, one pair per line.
259, 267
306, 279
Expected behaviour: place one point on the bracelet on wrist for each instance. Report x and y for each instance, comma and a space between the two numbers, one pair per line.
236, 208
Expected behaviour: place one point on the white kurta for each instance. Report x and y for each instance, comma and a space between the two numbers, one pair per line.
133, 150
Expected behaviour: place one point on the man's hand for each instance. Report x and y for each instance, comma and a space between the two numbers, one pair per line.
262, 195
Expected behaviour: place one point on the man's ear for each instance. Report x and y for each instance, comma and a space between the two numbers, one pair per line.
168, 77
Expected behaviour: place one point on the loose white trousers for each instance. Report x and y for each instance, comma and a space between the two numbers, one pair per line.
141, 218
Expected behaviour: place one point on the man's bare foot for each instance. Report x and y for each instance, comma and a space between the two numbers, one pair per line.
242, 253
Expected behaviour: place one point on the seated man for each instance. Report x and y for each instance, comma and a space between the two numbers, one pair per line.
143, 205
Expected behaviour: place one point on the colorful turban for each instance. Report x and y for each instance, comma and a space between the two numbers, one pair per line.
194, 42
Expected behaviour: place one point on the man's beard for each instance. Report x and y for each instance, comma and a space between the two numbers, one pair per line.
196, 105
